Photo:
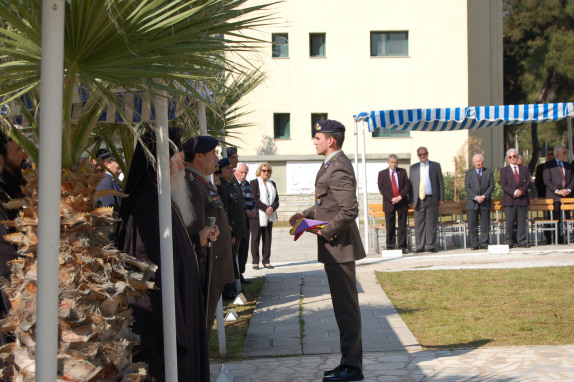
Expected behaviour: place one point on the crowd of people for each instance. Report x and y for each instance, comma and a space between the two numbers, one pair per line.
423, 191
215, 223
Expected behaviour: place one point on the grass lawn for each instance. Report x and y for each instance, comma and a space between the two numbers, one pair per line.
495, 307
236, 331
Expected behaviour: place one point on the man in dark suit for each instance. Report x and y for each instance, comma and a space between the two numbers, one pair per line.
394, 186
339, 244
426, 195
559, 184
479, 185
539, 180
515, 181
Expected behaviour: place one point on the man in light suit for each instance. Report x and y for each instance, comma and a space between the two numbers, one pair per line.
559, 184
394, 186
339, 244
479, 185
426, 195
515, 182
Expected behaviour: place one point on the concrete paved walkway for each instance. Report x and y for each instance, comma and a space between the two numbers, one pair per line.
294, 320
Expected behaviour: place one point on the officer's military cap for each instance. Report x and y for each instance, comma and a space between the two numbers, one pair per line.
223, 162
329, 126
200, 145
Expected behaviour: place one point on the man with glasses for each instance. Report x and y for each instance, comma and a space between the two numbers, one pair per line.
515, 181
426, 195
241, 176
559, 184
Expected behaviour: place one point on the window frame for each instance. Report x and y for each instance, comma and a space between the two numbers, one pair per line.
388, 48
277, 47
322, 54
287, 128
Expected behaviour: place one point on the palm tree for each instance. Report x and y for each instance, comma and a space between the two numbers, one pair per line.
143, 46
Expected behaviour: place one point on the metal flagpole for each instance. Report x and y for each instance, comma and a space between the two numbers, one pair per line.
50, 179
166, 239
365, 201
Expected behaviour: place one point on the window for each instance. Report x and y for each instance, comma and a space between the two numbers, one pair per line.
384, 44
281, 122
317, 44
316, 117
380, 132
280, 44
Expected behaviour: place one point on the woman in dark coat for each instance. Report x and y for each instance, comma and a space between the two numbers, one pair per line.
267, 202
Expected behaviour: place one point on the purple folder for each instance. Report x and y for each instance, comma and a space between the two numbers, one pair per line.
302, 225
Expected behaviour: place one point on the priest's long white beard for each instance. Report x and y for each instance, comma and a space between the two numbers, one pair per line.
181, 195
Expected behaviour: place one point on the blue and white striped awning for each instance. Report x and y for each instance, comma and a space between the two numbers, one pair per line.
464, 118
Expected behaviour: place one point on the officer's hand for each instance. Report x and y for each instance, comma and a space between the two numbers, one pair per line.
208, 233
295, 217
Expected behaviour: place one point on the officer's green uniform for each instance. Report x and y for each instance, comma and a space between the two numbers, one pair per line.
206, 202
234, 203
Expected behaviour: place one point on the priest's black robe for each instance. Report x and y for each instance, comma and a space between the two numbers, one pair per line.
142, 241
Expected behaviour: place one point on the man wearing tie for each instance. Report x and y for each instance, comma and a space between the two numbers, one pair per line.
559, 183
394, 186
515, 181
479, 185
427, 195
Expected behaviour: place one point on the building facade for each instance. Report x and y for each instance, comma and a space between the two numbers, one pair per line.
335, 58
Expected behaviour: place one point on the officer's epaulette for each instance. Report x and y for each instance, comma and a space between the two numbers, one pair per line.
190, 176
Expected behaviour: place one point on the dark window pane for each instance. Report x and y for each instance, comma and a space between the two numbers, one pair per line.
380, 132
280, 44
281, 123
317, 44
389, 44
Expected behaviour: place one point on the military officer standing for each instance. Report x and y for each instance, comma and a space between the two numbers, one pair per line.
339, 244
234, 204
199, 153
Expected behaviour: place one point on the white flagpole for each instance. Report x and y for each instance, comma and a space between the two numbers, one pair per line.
166, 239
365, 201
50, 179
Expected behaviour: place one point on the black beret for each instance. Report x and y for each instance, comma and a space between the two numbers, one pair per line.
200, 145
223, 162
329, 126
106, 156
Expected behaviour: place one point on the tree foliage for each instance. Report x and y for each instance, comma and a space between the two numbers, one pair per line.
538, 56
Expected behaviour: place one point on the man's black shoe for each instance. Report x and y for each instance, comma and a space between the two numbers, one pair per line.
522, 245
419, 251
244, 281
229, 295
474, 247
405, 251
433, 250
345, 374
329, 372
484, 246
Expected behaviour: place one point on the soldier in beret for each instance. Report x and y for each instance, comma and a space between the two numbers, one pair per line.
339, 244
201, 161
109, 182
234, 203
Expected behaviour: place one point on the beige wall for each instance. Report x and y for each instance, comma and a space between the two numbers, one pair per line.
348, 80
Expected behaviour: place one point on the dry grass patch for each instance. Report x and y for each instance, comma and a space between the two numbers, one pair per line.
236, 331
493, 307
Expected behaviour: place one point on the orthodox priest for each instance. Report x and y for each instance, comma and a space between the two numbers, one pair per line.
139, 236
